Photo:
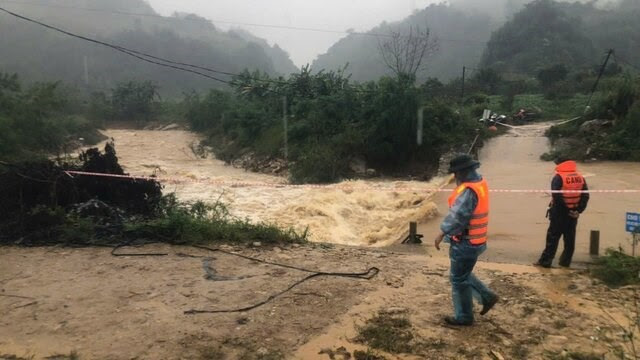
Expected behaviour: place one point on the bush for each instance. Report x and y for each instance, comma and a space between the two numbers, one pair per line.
617, 268
40, 121
135, 101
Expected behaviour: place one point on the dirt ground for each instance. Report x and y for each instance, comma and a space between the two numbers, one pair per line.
55, 300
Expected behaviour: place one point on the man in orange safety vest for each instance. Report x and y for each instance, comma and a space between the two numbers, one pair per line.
465, 229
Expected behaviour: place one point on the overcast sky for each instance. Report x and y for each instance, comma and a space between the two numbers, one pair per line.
302, 46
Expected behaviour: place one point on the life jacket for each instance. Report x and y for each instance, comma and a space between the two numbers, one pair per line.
571, 181
476, 232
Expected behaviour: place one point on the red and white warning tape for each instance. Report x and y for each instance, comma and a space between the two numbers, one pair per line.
175, 180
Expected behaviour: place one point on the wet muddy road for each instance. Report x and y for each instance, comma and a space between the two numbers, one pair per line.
517, 222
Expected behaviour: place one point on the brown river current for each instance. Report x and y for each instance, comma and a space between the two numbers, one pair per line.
376, 213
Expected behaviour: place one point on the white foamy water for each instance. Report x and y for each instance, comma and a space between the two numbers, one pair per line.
369, 213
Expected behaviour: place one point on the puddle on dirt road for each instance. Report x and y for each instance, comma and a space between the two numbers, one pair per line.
360, 215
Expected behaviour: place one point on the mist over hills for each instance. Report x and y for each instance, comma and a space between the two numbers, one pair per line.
39, 54
461, 38
576, 35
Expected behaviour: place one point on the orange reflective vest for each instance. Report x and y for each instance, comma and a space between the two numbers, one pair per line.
479, 224
571, 181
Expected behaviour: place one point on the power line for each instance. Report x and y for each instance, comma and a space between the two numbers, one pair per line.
164, 62
133, 53
273, 26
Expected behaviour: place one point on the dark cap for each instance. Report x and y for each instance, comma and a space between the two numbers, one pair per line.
560, 159
462, 162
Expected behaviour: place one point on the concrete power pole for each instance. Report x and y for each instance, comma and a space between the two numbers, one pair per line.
86, 71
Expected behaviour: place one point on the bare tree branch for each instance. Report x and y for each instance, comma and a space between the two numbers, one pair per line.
405, 54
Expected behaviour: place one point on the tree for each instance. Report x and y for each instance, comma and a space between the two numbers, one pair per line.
552, 75
405, 54
488, 80
134, 100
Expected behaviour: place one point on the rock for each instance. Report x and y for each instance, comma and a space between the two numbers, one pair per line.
257, 244
556, 343
170, 127
371, 172
496, 355
358, 166
595, 126
277, 249
262, 351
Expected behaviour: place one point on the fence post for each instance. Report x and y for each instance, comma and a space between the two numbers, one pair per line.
594, 243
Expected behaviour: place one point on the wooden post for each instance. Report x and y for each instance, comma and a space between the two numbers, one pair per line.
413, 231
594, 243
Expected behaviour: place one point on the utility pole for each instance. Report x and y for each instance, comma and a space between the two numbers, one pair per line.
286, 130
602, 69
464, 73
420, 125
86, 71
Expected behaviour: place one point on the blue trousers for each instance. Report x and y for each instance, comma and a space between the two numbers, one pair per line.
464, 285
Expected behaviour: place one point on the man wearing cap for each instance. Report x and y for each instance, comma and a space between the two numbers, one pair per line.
465, 228
564, 210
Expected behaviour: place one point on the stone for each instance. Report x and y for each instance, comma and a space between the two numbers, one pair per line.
257, 244
170, 127
496, 355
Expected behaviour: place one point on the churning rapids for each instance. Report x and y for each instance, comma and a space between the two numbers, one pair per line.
360, 215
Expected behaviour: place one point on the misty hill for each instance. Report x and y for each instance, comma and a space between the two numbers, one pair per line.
461, 38
522, 42
547, 33
39, 54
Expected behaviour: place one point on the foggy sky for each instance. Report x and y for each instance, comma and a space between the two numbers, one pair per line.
302, 46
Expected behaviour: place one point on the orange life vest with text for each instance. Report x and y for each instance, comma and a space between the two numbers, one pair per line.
571, 181
479, 224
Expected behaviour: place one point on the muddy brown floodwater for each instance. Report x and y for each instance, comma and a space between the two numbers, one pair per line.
517, 221
372, 213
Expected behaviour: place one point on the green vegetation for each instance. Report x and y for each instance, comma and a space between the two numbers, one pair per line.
611, 129
367, 355
393, 334
201, 223
44, 206
617, 268
332, 123
40, 120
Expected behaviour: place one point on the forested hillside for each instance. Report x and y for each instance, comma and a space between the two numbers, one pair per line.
506, 35
461, 37
38, 54
548, 33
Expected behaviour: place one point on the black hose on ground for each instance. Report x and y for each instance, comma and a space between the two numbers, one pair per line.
367, 275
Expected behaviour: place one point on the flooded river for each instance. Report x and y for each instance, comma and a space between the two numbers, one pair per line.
360, 215
374, 213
